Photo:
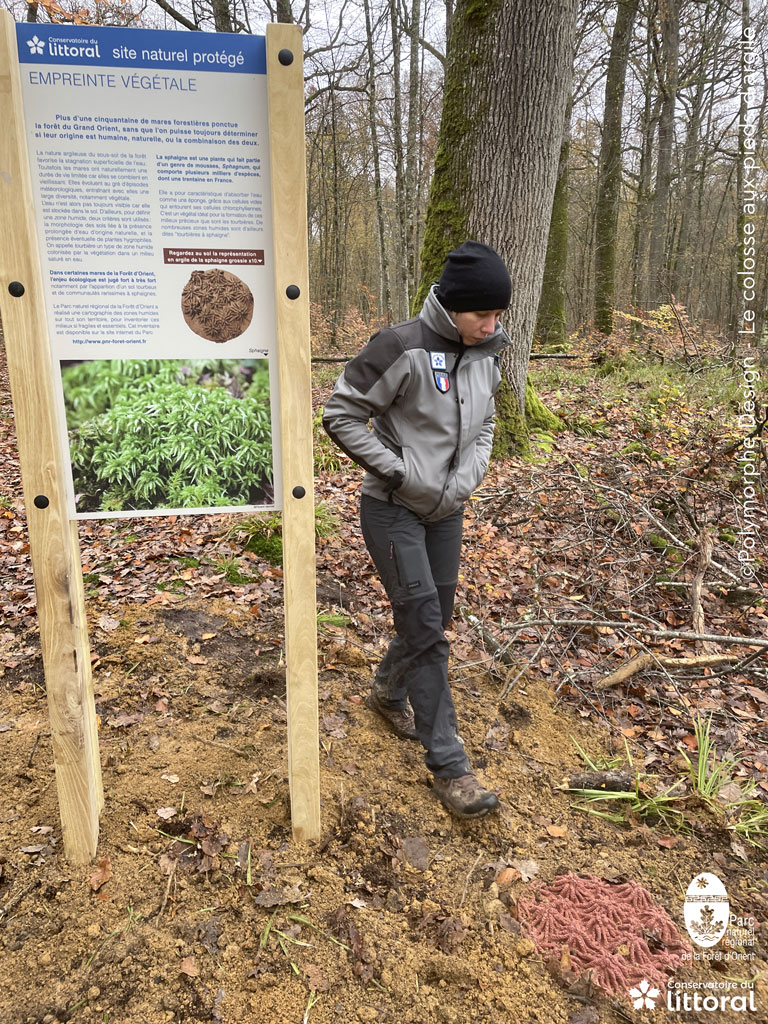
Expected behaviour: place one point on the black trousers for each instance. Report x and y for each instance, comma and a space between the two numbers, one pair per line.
418, 564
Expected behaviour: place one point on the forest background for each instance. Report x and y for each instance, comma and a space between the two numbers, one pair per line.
649, 200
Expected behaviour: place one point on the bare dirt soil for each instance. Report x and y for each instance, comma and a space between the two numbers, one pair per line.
164, 940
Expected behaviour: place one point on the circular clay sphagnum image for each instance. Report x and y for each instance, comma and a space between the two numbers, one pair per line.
217, 305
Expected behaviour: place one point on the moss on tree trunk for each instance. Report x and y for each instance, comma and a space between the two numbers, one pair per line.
512, 426
537, 415
511, 435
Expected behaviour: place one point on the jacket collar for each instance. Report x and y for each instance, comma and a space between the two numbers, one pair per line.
436, 317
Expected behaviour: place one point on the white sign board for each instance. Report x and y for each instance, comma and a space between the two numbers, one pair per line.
150, 168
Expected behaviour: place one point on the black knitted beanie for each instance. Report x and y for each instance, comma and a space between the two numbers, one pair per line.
474, 278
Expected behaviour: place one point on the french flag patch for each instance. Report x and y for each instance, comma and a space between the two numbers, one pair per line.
442, 380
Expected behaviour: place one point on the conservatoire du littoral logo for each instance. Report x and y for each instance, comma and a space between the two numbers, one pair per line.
36, 46
644, 996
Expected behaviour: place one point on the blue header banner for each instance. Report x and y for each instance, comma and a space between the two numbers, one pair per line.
97, 46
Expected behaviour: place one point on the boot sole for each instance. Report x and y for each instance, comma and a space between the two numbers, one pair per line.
466, 815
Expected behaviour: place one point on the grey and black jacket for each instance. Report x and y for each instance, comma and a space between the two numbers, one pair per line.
430, 398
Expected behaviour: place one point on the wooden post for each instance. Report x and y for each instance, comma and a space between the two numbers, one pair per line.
285, 90
53, 539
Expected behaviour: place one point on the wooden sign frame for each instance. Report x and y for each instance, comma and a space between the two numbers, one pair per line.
53, 538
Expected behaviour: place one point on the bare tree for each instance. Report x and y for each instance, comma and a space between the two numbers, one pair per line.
610, 168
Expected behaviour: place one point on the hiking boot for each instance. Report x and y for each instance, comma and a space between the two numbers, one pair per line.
465, 796
402, 723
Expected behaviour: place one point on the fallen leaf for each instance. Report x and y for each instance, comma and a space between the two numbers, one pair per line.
357, 903
273, 897
253, 785
5, 726
528, 869
584, 1015
332, 724
668, 842
506, 877
316, 980
509, 924
42, 830
190, 967
739, 850
497, 736
416, 852
168, 863
197, 659
107, 623
166, 813
123, 720
218, 707
209, 934
102, 874
557, 831
173, 779
730, 793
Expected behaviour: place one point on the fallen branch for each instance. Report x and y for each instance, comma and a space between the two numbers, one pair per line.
466, 880
705, 557
643, 661
611, 782
171, 877
664, 634
659, 523
497, 649
12, 903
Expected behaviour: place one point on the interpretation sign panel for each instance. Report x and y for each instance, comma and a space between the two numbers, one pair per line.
149, 158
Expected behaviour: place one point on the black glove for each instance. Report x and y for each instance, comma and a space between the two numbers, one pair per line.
394, 482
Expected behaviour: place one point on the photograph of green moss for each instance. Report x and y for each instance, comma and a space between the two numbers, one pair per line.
168, 433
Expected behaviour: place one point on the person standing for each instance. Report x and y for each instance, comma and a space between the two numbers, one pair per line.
427, 388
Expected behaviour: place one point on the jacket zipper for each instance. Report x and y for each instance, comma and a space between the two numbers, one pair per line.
457, 449
393, 558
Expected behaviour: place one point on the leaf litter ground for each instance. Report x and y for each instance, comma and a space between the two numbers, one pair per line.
200, 907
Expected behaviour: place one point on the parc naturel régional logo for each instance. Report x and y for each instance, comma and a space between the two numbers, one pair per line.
64, 47
708, 919
706, 909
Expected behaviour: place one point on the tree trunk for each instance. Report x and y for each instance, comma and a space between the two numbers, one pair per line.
507, 80
643, 202
550, 319
411, 154
679, 271
284, 12
222, 20
610, 168
399, 162
736, 314
385, 298
658, 284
